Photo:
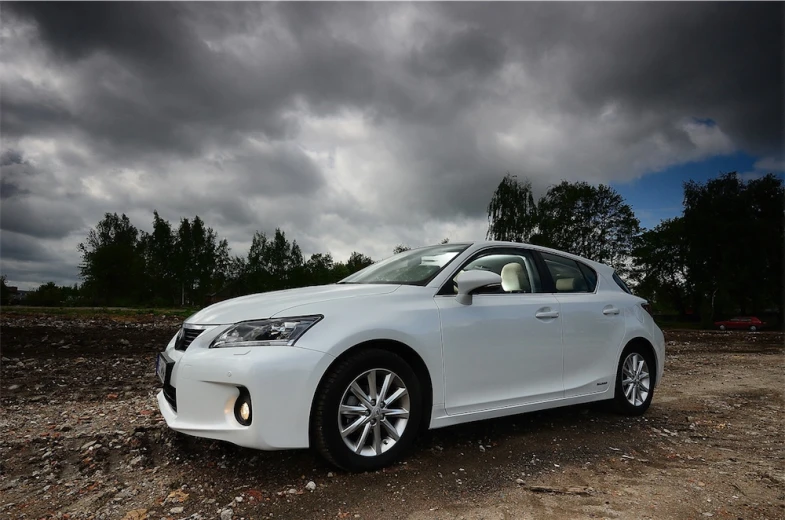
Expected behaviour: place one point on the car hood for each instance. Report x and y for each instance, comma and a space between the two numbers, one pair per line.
267, 305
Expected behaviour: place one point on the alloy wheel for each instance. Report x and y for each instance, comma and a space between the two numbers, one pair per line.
635, 379
374, 412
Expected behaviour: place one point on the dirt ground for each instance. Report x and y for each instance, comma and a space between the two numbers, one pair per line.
81, 437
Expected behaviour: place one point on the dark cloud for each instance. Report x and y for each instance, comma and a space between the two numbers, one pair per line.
721, 60
370, 123
23, 248
11, 156
40, 218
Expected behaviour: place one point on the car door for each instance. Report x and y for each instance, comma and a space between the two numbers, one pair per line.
593, 325
504, 349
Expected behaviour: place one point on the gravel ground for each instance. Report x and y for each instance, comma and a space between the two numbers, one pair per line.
81, 437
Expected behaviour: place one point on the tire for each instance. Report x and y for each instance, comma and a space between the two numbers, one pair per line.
722, 327
753, 328
628, 388
348, 432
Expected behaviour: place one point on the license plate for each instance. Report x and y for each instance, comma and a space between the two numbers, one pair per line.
161, 364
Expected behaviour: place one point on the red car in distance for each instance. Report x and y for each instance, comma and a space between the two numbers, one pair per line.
741, 322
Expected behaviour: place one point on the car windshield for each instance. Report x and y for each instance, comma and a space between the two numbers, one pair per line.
413, 267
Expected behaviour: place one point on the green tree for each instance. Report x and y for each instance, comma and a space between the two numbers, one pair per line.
201, 261
340, 271
53, 295
159, 249
274, 264
512, 212
112, 264
284, 261
660, 267
400, 248
5, 292
357, 261
256, 272
734, 230
590, 221
318, 270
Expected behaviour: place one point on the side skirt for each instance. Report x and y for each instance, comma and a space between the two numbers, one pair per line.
440, 419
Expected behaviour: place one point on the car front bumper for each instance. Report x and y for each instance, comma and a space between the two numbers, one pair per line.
281, 382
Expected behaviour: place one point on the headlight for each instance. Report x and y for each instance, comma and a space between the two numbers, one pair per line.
263, 333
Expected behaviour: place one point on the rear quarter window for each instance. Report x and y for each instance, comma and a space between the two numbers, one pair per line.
590, 275
623, 286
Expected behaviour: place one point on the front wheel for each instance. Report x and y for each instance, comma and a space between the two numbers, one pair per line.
367, 411
634, 381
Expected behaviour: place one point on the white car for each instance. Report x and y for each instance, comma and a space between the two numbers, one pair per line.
428, 338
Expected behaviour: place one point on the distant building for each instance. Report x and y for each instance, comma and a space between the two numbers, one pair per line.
17, 296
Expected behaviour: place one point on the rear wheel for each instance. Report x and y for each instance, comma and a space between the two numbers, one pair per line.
634, 381
367, 411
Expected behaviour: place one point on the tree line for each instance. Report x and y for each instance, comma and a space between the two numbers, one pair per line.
723, 255
191, 265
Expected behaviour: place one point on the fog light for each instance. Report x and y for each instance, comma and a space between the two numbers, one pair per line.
242, 407
245, 412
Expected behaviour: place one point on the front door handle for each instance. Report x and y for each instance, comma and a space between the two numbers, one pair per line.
546, 313
610, 310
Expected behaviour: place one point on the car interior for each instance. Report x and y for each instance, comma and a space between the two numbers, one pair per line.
517, 274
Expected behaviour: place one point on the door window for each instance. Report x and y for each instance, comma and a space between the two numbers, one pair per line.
568, 275
515, 266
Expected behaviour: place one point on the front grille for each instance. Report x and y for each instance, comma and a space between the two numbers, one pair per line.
186, 338
170, 394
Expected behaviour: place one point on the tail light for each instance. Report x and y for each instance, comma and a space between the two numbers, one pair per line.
647, 306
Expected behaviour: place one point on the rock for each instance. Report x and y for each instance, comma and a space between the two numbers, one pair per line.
292, 491
520, 481
87, 445
238, 499
330, 474
311, 486
177, 510
226, 514
13, 387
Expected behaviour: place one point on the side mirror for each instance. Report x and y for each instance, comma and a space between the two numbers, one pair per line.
470, 280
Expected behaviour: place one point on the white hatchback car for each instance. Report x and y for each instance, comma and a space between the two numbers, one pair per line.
428, 338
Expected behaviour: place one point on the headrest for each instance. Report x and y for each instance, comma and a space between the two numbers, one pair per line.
512, 274
565, 284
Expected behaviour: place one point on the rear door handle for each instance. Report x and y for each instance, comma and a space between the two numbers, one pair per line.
546, 313
610, 310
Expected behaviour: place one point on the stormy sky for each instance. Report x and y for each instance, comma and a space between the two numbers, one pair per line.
359, 126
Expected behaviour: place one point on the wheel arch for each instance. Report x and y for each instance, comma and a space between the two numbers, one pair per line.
400, 349
645, 344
